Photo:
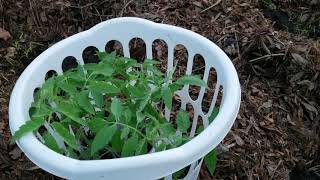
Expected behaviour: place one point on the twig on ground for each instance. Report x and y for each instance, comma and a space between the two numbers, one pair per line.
213, 5
266, 56
274, 171
125, 7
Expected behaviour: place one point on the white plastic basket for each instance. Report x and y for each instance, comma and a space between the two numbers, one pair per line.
149, 166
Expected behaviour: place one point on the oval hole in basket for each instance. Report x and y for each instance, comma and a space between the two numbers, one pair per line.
200, 126
42, 130
35, 98
217, 104
199, 161
114, 45
209, 92
176, 106
61, 92
160, 53
137, 48
198, 68
69, 63
50, 74
55, 116
180, 58
180, 174
32, 110
89, 55
35, 93
160, 107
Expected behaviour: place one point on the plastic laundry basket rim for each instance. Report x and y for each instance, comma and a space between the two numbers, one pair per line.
184, 154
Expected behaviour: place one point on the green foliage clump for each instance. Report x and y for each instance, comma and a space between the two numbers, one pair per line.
108, 110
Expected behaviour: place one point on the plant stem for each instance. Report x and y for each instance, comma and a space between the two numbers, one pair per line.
87, 81
129, 127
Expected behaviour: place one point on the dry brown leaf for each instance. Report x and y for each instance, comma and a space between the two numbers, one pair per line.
267, 104
5, 35
238, 139
15, 153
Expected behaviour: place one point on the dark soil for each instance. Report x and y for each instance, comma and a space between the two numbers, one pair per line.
274, 46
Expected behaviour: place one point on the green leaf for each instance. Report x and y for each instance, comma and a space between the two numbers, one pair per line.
103, 87
175, 87
155, 120
71, 112
156, 95
29, 126
68, 88
40, 110
135, 92
200, 129
169, 136
160, 146
37, 96
90, 66
157, 72
111, 118
83, 101
149, 109
51, 142
191, 80
130, 146
98, 98
118, 83
170, 74
167, 128
122, 64
74, 75
81, 136
96, 124
85, 154
142, 147
140, 117
105, 69
71, 153
47, 89
109, 57
81, 71
167, 96
148, 62
102, 138
145, 100
125, 132
116, 108
117, 142
214, 114
66, 121
151, 131
210, 161
127, 115
66, 135
183, 121
174, 140
177, 175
